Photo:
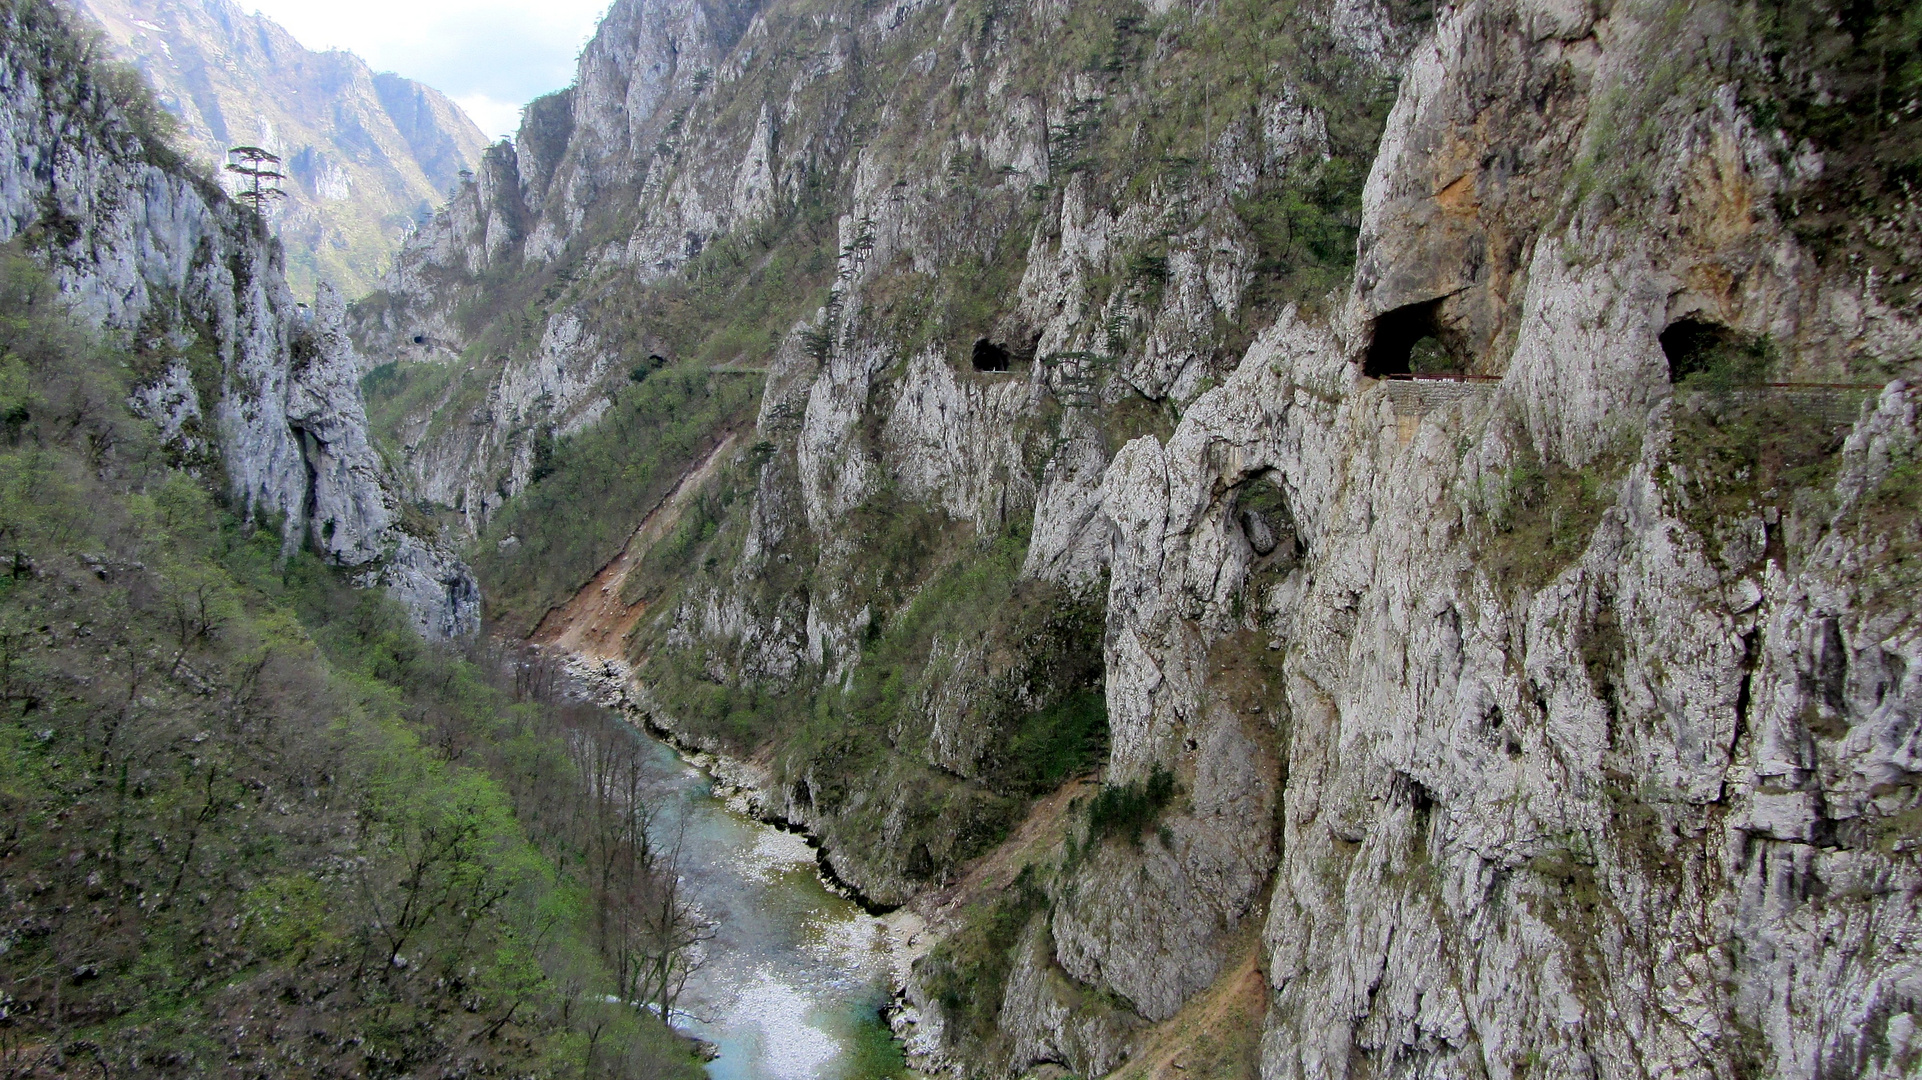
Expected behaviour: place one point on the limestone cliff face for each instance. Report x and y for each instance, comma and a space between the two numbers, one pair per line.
367, 153
242, 380
1559, 721
530, 210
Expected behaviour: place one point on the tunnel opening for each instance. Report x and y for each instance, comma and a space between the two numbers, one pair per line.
1409, 340
1701, 351
640, 371
420, 339
990, 357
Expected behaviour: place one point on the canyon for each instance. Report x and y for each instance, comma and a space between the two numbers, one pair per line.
368, 154
1468, 450
1339, 538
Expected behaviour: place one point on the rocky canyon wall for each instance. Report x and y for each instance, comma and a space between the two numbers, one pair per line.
242, 380
367, 154
1553, 715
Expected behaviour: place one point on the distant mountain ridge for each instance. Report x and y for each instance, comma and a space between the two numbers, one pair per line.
367, 152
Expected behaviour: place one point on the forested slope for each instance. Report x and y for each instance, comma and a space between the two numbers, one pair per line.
252, 822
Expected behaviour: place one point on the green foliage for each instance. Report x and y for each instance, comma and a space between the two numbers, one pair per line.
1739, 449
1708, 358
1735, 454
284, 917
949, 614
1845, 79
1429, 356
1305, 230
1540, 516
1126, 809
397, 390
1045, 708
1053, 744
704, 537
73, 64
1176, 82
967, 972
594, 487
242, 797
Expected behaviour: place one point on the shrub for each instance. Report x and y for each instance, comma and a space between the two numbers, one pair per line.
1126, 809
967, 972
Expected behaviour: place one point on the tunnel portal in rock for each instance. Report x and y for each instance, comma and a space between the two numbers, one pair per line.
990, 357
1409, 340
1697, 346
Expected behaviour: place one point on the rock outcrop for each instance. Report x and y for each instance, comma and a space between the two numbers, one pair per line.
243, 381
368, 153
1553, 718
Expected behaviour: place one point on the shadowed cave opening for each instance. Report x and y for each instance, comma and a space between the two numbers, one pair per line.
990, 357
1698, 347
1266, 520
1690, 346
1408, 341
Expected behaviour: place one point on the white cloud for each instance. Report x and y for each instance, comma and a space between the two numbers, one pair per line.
489, 54
497, 119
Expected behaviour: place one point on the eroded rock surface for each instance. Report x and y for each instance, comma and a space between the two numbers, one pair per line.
1558, 723
244, 378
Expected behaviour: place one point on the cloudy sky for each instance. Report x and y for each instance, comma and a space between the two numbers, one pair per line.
492, 56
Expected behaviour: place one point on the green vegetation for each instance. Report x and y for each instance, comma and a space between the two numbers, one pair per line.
70, 63
1184, 80
589, 491
1126, 809
950, 617
944, 623
1707, 358
251, 817
736, 300
1540, 516
1839, 79
1739, 451
1844, 79
1058, 743
1042, 698
729, 305
967, 972
1305, 229
395, 391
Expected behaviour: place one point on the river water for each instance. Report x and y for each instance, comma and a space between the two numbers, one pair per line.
795, 978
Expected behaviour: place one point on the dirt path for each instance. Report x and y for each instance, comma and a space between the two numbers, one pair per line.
1216, 1036
594, 622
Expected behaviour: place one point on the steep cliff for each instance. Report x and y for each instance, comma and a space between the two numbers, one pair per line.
1469, 451
368, 154
241, 380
